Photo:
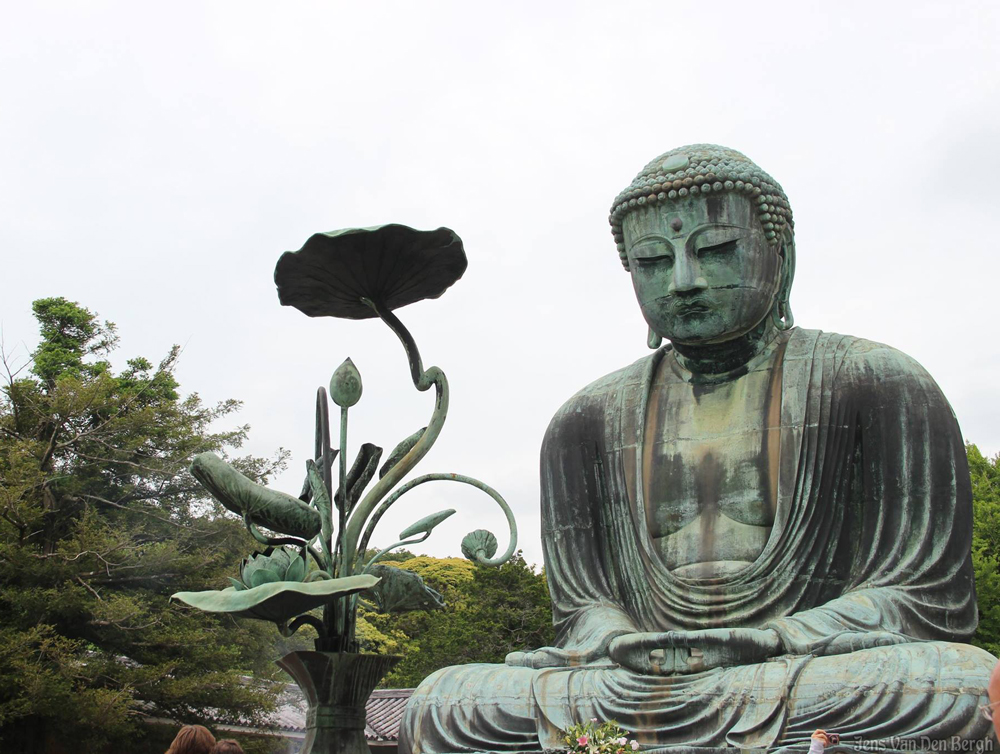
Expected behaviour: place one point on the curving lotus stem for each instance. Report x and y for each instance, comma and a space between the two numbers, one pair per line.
479, 555
413, 534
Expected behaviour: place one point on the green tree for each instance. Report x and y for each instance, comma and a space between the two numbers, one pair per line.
99, 523
489, 612
985, 474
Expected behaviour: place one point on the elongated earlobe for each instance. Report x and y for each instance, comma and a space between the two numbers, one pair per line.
781, 314
653, 340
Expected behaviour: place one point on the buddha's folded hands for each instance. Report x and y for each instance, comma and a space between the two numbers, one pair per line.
670, 652
553, 657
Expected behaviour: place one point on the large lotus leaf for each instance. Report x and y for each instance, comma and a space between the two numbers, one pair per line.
277, 602
392, 265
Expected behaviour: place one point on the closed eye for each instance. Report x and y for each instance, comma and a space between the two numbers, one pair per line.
717, 251
653, 251
666, 259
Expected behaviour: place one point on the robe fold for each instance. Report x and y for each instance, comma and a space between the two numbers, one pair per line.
866, 577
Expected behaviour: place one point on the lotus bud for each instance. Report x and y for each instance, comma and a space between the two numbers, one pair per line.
345, 385
426, 525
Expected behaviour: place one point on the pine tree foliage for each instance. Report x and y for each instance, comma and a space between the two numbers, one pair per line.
985, 474
489, 612
99, 523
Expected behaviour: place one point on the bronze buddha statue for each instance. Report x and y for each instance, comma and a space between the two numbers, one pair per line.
755, 531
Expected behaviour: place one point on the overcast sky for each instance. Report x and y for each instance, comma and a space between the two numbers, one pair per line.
156, 159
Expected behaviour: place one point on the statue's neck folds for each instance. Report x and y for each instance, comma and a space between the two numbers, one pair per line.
726, 357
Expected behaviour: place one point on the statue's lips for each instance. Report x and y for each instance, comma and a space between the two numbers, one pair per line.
674, 306
687, 308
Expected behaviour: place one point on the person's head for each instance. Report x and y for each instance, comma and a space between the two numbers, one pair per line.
192, 739
708, 239
227, 746
993, 692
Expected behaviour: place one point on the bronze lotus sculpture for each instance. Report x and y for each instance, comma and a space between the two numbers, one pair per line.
317, 541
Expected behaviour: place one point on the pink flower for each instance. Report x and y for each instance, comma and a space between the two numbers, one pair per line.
634, 744
583, 740
593, 719
622, 742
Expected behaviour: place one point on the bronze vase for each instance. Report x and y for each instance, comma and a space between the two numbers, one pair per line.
336, 686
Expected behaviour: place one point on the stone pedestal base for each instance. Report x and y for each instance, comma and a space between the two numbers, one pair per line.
336, 686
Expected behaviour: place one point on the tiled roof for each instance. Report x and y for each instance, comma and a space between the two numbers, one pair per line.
383, 711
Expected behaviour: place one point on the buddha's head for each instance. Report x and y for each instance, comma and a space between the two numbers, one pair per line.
708, 239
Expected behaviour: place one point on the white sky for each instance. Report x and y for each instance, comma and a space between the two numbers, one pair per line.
157, 159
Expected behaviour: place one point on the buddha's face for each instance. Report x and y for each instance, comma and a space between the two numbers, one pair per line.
702, 270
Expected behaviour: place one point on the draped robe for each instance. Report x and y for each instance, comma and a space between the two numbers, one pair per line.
872, 533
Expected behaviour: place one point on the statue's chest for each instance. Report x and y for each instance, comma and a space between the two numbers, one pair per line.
710, 455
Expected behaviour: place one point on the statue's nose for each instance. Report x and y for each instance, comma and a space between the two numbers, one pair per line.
686, 275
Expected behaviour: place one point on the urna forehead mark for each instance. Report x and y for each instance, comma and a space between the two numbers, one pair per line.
685, 217
705, 171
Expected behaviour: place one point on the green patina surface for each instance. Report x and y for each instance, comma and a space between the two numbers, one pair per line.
751, 533
355, 273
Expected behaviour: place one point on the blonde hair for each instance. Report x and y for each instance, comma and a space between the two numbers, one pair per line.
227, 746
192, 739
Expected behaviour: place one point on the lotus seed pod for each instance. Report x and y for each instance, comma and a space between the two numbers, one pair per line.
479, 542
345, 385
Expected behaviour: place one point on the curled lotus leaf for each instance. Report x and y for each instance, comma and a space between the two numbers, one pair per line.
264, 507
362, 471
401, 591
426, 524
345, 385
277, 601
400, 450
479, 545
393, 265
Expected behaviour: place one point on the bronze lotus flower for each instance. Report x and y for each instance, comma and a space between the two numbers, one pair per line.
390, 265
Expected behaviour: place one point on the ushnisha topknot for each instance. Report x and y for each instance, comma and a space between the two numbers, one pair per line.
703, 169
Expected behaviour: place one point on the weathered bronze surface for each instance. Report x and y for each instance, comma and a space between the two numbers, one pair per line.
754, 532
354, 274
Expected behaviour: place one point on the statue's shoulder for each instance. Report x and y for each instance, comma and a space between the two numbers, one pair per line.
589, 405
861, 363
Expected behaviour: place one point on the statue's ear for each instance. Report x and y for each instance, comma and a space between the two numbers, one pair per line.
654, 340
782, 314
